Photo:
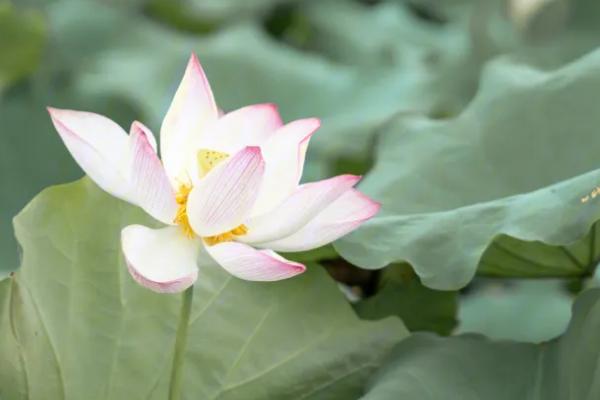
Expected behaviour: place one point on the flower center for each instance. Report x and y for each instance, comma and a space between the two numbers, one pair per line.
181, 218
226, 236
207, 160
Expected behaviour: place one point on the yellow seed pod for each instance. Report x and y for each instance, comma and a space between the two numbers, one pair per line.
208, 159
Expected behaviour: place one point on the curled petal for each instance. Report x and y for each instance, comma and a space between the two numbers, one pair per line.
150, 186
222, 201
246, 126
193, 109
284, 155
99, 146
146, 132
163, 260
341, 217
298, 209
247, 263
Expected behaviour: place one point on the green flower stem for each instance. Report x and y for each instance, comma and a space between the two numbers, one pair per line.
180, 345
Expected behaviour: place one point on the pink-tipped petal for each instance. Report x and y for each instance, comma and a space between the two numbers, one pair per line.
298, 209
247, 263
163, 260
193, 109
341, 217
149, 136
284, 155
223, 199
99, 146
246, 126
150, 186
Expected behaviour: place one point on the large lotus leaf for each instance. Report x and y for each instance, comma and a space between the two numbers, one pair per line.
502, 186
471, 367
524, 310
74, 325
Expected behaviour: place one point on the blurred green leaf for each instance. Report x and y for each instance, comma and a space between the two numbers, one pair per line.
499, 187
82, 28
559, 31
177, 14
530, 311
200, 15
22, 36
420, 308
73, 324
441, 62
538, 19
472, 367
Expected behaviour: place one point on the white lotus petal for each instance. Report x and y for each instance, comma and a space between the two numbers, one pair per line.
247, 263
163, 260
342, 216
99, 146
284, 155
298, 209
192, 110
246, 126
150, 186
223, 199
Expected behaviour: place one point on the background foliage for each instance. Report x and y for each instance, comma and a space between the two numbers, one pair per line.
474, 122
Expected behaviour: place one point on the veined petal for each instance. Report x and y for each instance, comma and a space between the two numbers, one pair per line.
163, 260
146, 132
298, 209
192, 110
223, 199
246, 126
245, 262
99, 146
342, 216
284, 155
150, 186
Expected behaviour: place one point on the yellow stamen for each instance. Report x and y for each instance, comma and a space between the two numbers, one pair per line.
240, 230
182, 194
181, 218
226, 236
208, 159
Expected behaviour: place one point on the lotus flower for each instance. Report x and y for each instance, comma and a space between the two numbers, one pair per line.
227, 185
